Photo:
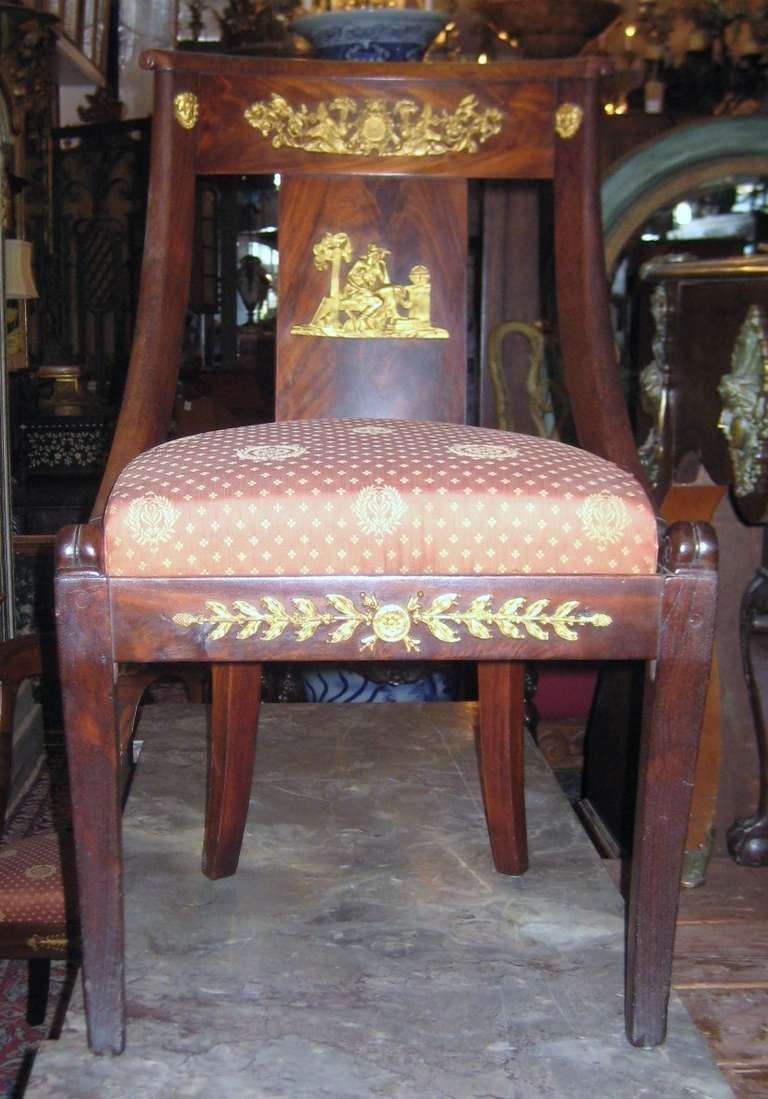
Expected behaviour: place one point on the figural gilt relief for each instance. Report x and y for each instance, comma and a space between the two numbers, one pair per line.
364, 303
345, 126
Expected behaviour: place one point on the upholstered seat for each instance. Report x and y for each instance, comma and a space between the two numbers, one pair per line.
349, 497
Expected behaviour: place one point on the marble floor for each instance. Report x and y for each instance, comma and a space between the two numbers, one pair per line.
366, 947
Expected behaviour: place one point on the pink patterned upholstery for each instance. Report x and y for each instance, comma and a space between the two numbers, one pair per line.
373, 497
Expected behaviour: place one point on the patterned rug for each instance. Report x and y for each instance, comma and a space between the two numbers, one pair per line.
44, 803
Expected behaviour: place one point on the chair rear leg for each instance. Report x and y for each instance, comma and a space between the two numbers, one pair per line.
672, 719
501, 693
236, 698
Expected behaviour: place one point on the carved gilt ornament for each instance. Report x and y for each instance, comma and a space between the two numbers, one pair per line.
744, 418
186, 108
373, 127
365, 304
48, 942
392, 623
654, 388
568, 118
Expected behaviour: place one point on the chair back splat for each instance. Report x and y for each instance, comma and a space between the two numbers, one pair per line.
380, 155
370, 522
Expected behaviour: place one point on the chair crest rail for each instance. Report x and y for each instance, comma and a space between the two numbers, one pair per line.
425, 119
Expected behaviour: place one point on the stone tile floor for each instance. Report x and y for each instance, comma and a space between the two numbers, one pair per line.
366, 947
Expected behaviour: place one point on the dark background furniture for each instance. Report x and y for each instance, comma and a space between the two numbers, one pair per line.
711, 415
699, 314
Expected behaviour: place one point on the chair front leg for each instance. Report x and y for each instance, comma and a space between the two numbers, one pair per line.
501, 694
236, 699
93, 756
672, 718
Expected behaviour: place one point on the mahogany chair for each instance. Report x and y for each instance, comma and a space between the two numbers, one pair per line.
368, 522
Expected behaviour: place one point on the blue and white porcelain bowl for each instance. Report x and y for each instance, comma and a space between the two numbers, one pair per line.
371, 34
345, 683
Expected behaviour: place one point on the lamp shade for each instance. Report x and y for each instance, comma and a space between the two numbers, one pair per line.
19, 280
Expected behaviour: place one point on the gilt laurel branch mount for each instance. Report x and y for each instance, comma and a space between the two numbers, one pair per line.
392, 623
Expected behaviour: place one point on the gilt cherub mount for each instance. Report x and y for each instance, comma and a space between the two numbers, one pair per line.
366, 304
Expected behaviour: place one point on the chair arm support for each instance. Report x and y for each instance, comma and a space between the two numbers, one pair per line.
689, 546
79, 548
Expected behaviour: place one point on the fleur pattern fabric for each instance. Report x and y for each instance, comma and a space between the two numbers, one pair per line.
367, 497
31, 883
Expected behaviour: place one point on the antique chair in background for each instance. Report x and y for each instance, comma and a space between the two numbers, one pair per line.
38, 917
392, 531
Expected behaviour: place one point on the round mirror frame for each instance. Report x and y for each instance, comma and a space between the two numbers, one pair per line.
666, 170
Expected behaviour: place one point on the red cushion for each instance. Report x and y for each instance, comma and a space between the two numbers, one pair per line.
375, 497
31, 884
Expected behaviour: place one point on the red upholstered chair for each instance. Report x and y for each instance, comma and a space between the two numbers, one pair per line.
38, 918
369, 523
